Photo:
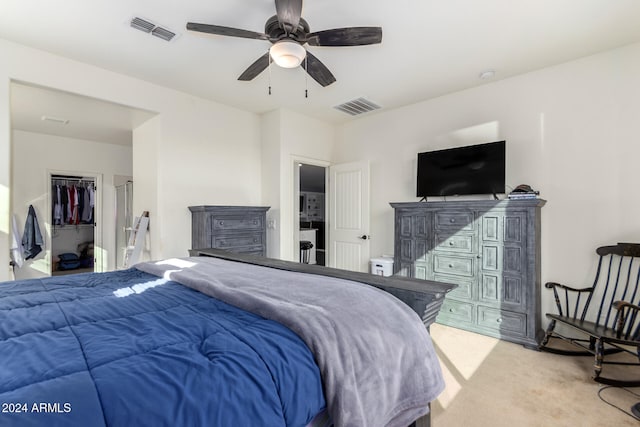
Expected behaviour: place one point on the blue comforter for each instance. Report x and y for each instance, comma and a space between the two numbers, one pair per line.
130, 349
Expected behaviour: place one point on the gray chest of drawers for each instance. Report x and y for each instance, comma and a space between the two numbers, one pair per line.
239, 229
490, 249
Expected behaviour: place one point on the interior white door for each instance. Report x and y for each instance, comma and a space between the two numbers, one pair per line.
349, 216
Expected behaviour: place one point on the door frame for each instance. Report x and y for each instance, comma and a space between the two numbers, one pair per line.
296, 160
100, 253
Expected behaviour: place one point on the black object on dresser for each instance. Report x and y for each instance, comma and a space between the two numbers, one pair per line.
239, 229
490, 249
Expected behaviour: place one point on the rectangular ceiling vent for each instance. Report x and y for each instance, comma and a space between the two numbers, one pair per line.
142, 25
151, 28
357, 106
163, 33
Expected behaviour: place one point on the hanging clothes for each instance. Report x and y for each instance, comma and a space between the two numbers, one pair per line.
73, 204
80, 200
57, 206
64, 199
92, 201
17, 253
68, 204
86, 205
32, 238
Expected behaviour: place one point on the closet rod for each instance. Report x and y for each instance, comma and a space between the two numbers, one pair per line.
71, 178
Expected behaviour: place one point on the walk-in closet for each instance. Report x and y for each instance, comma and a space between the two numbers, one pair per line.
73, 224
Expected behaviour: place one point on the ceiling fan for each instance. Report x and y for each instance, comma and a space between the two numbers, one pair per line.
288, 33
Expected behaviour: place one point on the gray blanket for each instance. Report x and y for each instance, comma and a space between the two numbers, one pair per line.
376, 357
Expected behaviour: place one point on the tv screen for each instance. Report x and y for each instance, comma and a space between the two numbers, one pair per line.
475, 169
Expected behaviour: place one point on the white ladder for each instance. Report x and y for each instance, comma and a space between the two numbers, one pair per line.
136, 239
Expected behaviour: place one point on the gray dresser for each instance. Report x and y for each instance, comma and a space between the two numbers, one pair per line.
490, 249
239, 229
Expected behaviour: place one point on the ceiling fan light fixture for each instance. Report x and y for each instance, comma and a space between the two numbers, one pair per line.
287, 53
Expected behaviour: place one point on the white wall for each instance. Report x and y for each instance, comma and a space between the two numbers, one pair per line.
270, 126
35, 155
5, 176
287, 136
571, 131
206, 153
145, 181
209, 155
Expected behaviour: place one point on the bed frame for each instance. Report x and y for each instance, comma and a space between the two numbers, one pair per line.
425, 297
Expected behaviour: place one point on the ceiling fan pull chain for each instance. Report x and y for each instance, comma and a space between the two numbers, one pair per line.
306, 78
269, 74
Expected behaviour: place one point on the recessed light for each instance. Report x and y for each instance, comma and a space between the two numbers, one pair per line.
55, 119
487, 74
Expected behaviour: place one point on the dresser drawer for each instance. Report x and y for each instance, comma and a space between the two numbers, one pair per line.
460, 220
221, 223
251, 250
454, 265
502, 320
464, 289
454, 311
463, 243
236, 240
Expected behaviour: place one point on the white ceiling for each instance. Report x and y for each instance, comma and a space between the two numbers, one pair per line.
429, 47
41, 110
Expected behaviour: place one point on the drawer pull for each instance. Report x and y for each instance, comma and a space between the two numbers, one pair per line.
255, 222
450, 265
450, 243
451, 310
221, 222
452, 220
499, 320
255, 240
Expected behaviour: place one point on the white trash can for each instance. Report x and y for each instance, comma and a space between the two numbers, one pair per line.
382, 266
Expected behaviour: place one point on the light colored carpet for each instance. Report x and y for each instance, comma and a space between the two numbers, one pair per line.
496, 383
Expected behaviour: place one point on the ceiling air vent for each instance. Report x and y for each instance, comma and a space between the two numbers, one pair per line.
357, 106
151, 28
163, 33
142, 25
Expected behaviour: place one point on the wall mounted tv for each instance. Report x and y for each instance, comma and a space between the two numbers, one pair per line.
474, 169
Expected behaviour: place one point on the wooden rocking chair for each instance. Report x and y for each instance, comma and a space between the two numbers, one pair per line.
606, 315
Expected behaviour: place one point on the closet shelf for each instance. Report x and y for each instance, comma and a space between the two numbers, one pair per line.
72, 226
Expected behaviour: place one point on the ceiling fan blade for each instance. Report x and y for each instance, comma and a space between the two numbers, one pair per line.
289, 12
317, 70
256, 68
225, 31
352, 36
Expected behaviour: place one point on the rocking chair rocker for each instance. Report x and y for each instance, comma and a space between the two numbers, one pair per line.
609, 325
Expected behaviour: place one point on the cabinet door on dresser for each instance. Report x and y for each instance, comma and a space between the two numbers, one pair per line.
502, 294
414, 244
503, 258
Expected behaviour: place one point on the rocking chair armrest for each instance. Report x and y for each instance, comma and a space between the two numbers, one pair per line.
551, 285
619, 305
627, 317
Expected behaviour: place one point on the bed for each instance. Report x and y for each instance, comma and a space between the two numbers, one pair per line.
216, 340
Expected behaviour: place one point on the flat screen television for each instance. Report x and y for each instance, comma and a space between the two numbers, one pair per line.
474, 169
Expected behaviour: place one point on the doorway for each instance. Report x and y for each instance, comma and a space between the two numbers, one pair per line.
75, 230
124, 220
57, 132
312, 213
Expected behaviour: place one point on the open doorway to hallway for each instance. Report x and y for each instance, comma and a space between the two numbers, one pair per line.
312, 213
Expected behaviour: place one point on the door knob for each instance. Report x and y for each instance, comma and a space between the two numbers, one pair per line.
364, 237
